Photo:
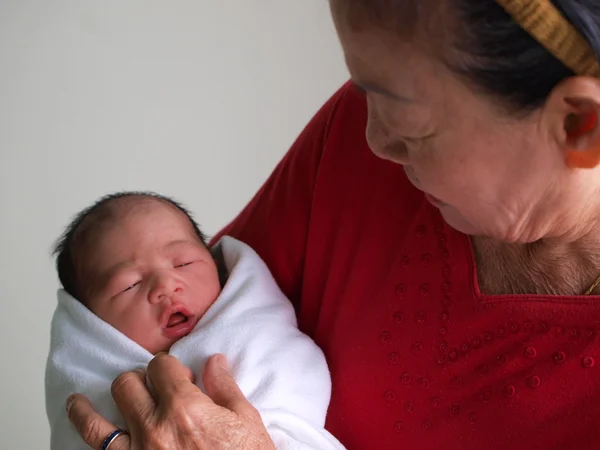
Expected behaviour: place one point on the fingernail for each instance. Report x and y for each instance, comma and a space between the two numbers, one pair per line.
70, 402
222, 362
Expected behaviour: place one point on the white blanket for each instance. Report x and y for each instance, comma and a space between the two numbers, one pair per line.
280, 370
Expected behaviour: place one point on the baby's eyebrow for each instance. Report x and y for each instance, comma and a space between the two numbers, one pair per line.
104, 278
111, 272
179, 242
101, 279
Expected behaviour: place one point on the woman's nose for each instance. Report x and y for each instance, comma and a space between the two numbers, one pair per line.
165, 285
382, 143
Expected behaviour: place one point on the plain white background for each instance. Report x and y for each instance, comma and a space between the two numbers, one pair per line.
198, 99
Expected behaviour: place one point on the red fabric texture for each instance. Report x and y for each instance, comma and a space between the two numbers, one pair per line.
420, 359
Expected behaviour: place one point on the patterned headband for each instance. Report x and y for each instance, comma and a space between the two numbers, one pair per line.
550, 28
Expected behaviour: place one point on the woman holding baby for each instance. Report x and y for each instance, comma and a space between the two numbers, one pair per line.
447, 264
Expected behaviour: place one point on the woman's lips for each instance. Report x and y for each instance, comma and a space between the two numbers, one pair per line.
434, 201
414, 179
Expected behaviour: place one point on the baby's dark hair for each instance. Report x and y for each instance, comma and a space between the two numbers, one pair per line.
87, 223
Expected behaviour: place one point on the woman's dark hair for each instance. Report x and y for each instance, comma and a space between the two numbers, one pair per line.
500, 58
510, 64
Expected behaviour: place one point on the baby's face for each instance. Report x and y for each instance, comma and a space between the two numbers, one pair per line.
150, 276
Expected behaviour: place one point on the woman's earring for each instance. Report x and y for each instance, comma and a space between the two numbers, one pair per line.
576, 127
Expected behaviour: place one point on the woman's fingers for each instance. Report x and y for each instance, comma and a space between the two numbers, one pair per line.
179, 416
133, 398
169, 377
93, 428
222, 388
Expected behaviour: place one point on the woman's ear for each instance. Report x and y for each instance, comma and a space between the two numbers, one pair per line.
582, 143
573, 108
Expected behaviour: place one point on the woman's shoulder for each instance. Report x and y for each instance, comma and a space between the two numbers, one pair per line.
327, 179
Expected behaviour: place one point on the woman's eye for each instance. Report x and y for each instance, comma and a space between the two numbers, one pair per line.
132, 286
413, 140
410, 140
359, 89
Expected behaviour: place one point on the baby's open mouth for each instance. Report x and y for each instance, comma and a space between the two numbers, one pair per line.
179, 324
176, 319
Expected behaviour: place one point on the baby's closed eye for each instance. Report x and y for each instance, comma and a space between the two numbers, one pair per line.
131, 286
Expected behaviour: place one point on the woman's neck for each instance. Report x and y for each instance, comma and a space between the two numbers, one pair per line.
550, 267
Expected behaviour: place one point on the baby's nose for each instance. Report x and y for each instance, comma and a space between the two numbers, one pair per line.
164, 288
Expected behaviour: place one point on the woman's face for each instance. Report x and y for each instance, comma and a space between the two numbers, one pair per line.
489, 174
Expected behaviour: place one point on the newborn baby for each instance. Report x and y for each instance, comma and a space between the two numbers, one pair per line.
141, 265
138, 279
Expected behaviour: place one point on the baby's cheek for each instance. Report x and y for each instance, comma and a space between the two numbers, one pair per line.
104, 311
147, 334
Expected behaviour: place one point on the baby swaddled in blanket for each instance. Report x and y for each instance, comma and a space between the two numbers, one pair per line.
139, 279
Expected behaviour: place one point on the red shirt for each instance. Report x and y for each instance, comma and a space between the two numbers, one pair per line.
420, 359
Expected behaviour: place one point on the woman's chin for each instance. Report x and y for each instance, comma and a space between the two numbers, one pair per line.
457, 222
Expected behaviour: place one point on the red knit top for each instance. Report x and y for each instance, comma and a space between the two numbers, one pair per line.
420, 358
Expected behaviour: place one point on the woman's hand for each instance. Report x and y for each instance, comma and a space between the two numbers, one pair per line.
179, 415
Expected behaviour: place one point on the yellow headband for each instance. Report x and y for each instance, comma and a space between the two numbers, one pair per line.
550, 28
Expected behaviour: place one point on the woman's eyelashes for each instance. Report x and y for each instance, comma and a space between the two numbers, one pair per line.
417, 140
359, 89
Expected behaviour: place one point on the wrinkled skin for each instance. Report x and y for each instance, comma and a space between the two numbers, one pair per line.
179, 415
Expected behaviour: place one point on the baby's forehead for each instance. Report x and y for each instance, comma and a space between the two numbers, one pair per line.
123, 209
135, 213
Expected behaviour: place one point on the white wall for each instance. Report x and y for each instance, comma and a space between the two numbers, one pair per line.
198, 99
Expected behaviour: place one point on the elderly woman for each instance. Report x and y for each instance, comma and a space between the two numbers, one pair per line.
449, 263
